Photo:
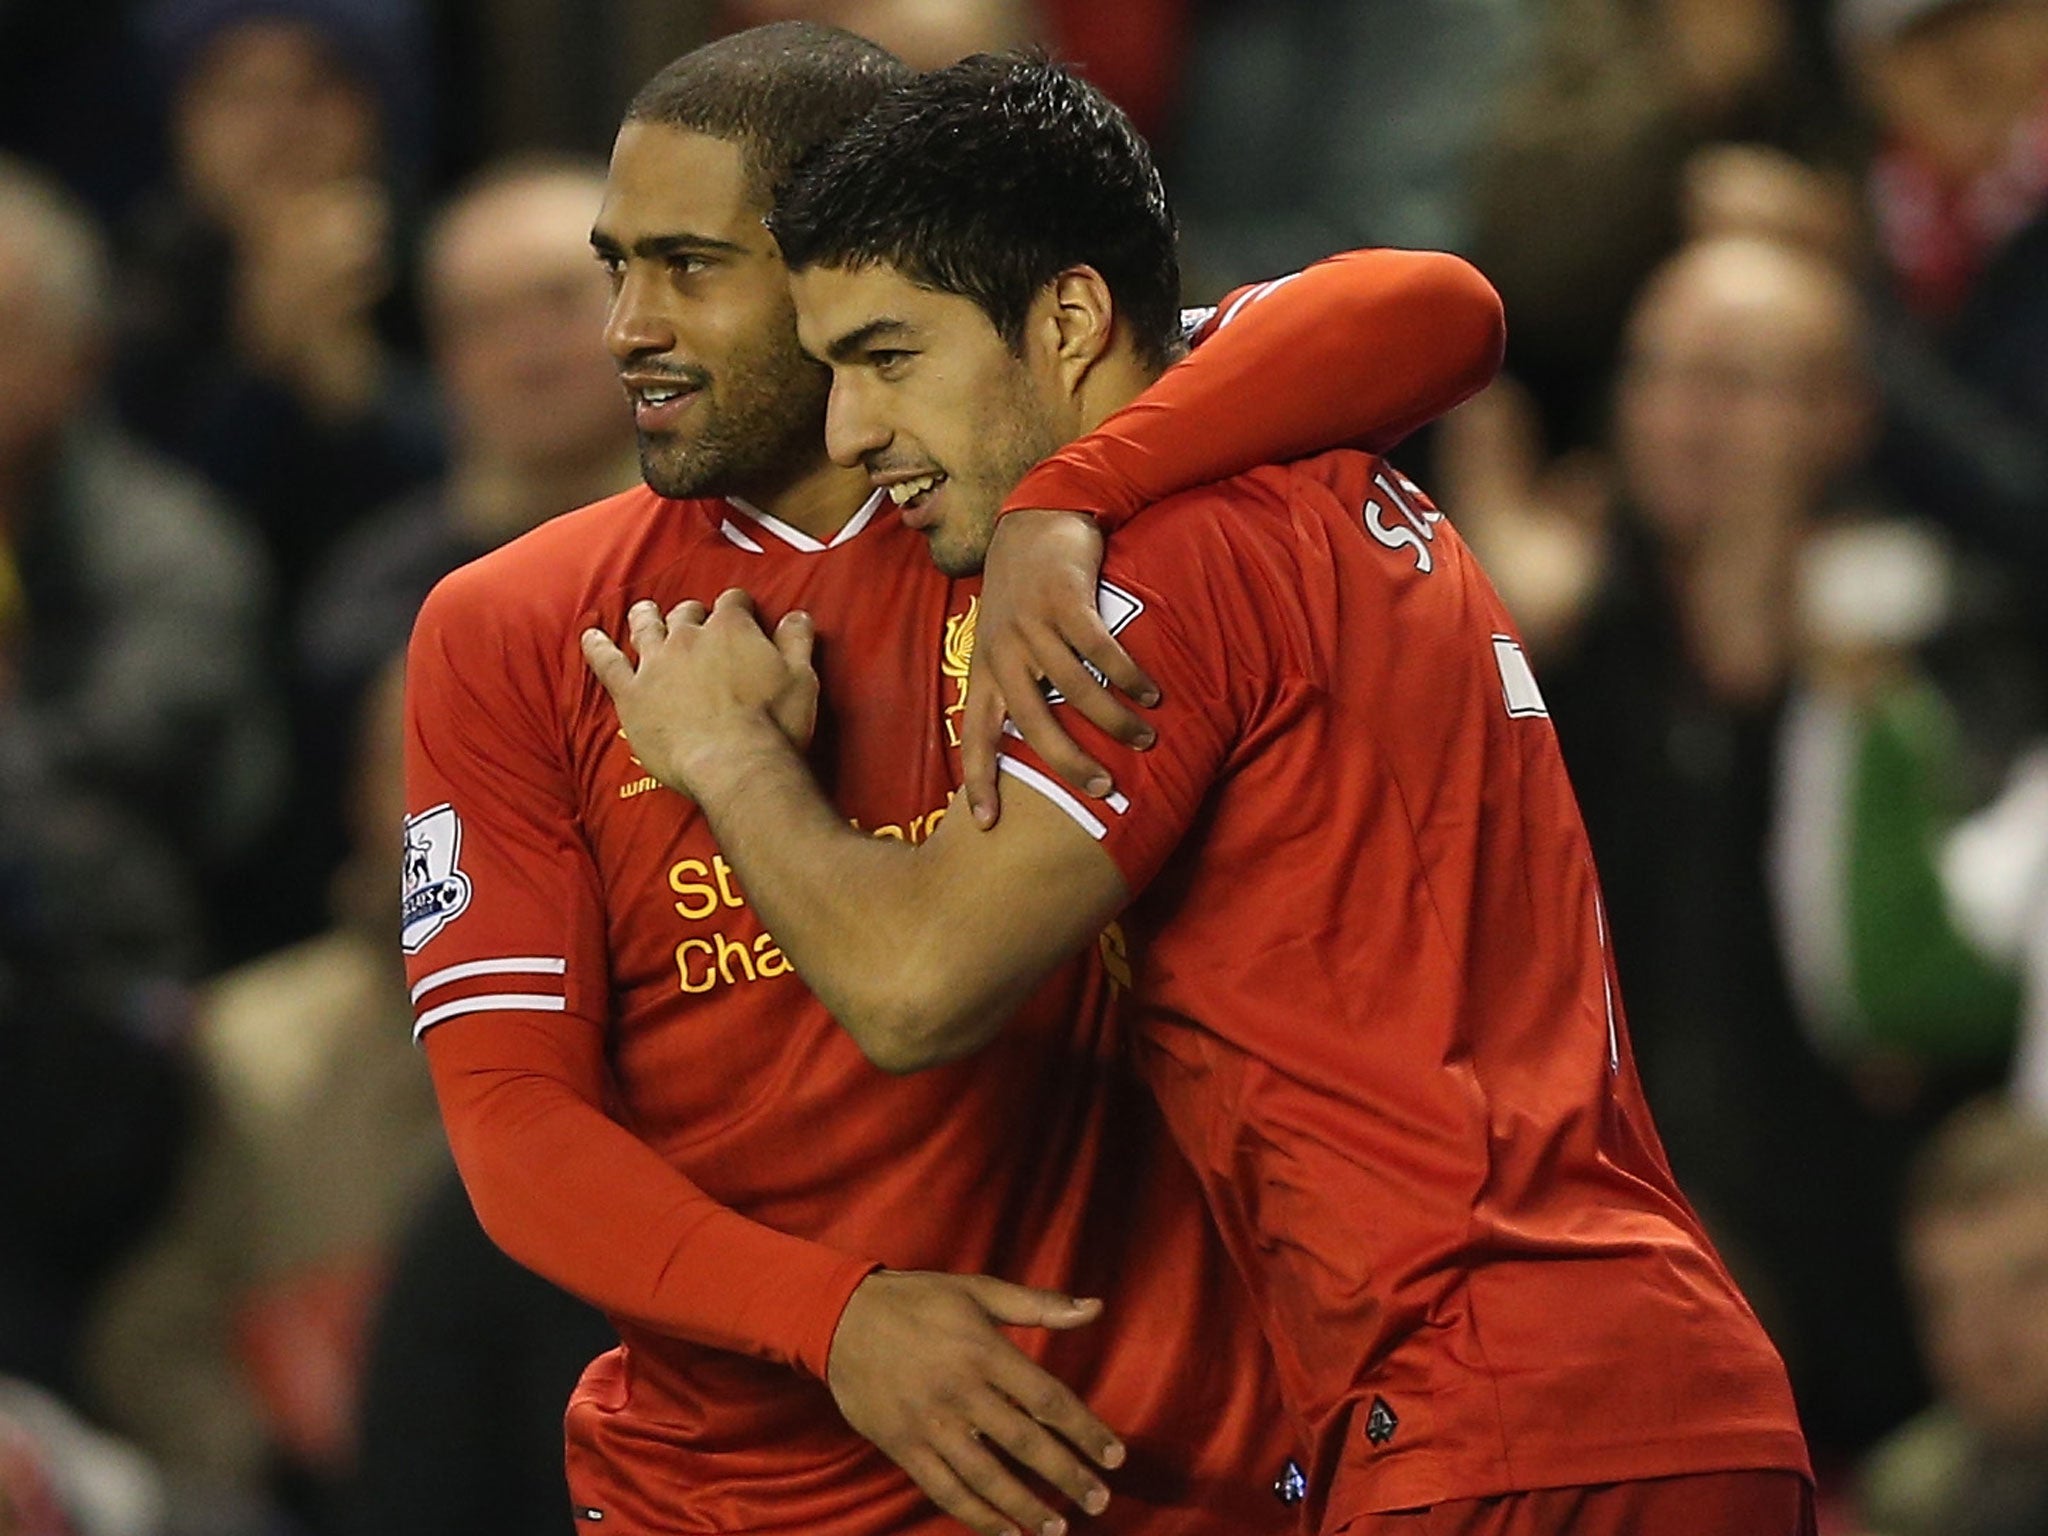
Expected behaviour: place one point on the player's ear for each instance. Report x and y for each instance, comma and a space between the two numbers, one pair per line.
1082, 314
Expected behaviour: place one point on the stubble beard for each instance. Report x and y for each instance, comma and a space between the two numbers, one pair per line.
763, 425
1019, 435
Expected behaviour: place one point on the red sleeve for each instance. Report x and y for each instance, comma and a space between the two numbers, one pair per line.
1174, 602
578, 1199
504, 932
1356, 351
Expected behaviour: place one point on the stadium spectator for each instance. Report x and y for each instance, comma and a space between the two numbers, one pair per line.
514, 304
97, 928
1871, 777
96, 941
138, 603
258, 291
1959, 195
1578, 183
232, 1348
1975, 1231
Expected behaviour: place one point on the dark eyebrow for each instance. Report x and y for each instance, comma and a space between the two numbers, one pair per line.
887, 328
654, 247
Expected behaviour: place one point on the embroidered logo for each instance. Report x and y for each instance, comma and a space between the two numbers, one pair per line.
955, 659
1117, 608
640, 785
1291, 1486
436, 891
1380, 1422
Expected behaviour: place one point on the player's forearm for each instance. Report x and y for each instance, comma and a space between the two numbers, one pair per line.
578, 1199
859, 917
1355, 351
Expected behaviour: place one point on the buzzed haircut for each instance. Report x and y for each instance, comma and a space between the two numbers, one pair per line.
987, 179
777, 91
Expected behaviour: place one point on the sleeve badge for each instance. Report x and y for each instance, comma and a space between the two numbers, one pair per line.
436, 892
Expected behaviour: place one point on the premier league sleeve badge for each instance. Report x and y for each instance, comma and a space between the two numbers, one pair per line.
436, 890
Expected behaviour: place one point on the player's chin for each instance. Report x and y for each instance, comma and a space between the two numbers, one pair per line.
671, 469
954, 554
959, 541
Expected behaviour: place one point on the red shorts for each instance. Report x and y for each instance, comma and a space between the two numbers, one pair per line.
1705, 1504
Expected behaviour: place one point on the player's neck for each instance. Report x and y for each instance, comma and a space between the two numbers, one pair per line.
1117, 379
820, 499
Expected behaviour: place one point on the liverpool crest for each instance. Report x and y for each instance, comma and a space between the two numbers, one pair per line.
955, 659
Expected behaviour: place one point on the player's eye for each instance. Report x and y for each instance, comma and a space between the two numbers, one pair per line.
889, 361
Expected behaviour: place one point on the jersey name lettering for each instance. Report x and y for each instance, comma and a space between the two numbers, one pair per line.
1416, 529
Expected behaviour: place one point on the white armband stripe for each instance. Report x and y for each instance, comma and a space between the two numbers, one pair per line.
1057, 793
515, 965
490, 1002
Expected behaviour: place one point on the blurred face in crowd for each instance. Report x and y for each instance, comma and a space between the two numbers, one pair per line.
1981, 1275
47, 345
1720, 52
929, 398
516, 309
266, 110
701, 326
1742, 388
1953, 87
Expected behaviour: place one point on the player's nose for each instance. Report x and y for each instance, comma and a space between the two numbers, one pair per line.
636, 324
853, 430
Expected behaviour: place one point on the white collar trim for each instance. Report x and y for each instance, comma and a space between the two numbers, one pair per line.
794, 537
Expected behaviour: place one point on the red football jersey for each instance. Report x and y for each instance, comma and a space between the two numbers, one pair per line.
1375, 1002
551, 884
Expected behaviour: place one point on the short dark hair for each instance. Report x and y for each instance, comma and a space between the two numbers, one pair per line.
777, 91
987, 179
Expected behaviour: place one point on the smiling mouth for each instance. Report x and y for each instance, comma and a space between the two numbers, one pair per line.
910, 494
656, 404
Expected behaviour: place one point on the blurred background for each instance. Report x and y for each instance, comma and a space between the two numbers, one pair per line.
297, 314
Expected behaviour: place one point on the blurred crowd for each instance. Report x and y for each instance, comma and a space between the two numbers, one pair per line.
297, 313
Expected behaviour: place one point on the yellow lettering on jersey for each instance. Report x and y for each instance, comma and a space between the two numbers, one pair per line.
699, 899
730, 950
723, 871
768, 960
704, 889
638, 786
705, 979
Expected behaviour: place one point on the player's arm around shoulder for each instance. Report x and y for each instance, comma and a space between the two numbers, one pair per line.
1001, 908
921, 952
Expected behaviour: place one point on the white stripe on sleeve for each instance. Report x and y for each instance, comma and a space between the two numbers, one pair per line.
1057, 793
510, 1002
515, 965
